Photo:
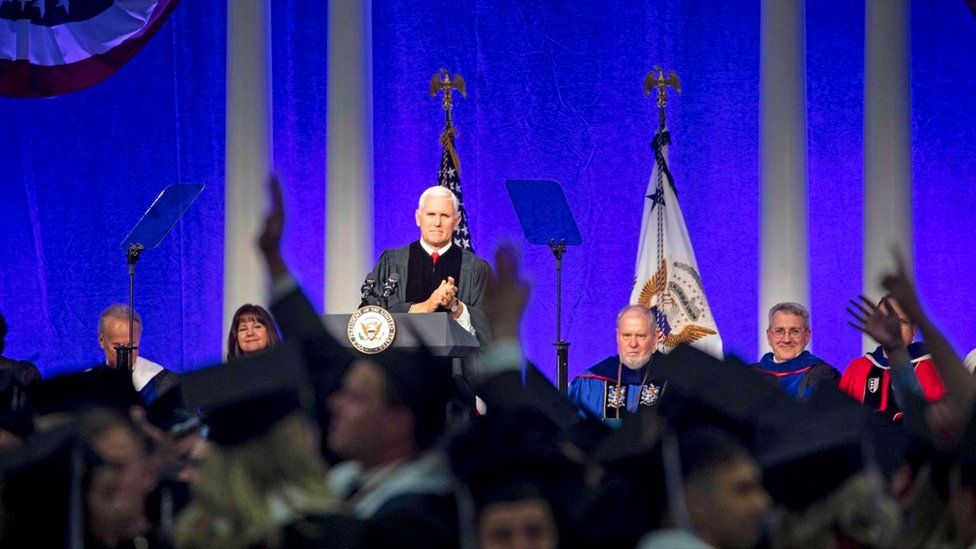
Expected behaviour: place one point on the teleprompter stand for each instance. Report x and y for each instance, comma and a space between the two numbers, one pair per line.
154, 225
547, 220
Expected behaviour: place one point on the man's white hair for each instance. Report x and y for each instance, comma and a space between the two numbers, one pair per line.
438, 190
117, 311
639, 309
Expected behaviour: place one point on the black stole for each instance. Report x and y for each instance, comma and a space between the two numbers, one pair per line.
883, 393
423, 276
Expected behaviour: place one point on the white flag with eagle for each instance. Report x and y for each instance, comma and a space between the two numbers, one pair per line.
667, 275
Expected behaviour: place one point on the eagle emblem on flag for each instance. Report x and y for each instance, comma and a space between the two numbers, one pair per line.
678, 308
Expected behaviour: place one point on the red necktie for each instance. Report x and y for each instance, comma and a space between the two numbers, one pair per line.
435, 256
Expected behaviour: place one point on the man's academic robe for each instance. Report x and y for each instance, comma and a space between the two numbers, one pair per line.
798, 376
596, 394
868, 379
474, 276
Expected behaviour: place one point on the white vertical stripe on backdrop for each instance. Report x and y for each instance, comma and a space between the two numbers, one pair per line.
349, 150
887, 142
248, 150
784, 245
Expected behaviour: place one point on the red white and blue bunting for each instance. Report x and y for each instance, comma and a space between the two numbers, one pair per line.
51, 47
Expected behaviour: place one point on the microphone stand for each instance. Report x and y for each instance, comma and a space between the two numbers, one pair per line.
366, 292
391, 286
385, 296
562, 347
124, 353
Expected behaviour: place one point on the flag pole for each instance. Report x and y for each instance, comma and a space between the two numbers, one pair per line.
449, 174
666, 276
441, 82
661, 83
652, 81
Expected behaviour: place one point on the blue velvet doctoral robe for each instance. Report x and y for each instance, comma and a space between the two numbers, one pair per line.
597, 394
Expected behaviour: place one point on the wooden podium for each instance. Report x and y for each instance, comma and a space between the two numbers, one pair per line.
442, 335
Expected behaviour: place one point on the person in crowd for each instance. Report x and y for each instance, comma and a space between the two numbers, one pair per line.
521, 520
252, 332
83, 484
385, 415
150, 379
525, 489
263, 483
797, 370
962, 500
947, 418
16, 379
625, 381
868, 379
857, 514
722, 491
951, 422
435, 273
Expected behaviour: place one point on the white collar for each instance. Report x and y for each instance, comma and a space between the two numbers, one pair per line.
430, 250
427, 473
143, 372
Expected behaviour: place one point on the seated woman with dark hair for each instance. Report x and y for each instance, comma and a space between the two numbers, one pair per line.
252, 332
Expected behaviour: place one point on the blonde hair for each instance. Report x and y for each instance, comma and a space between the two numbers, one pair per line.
247, 493
858, 511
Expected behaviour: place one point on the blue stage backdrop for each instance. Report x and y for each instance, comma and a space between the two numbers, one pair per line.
835, 130
299, 62
77, 173
943, 140
554, 91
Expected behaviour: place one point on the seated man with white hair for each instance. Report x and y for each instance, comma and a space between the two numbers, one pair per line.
436, 274
627, 380
148, 378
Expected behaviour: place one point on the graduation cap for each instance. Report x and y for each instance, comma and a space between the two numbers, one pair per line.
631, 498
710, 406
634, 439
244, 398
812, 450
42, 493
703, 389
517, 454
101, 386
965, 451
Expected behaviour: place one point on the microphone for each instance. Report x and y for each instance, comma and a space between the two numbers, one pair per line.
366, 290
391, 285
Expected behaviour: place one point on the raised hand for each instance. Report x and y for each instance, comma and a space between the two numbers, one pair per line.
274, 225
902, 289
882, 326
959, 384
507, 294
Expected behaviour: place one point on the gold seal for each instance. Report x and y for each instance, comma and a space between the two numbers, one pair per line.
371, 329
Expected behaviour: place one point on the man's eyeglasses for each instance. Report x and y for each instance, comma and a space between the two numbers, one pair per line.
792, 332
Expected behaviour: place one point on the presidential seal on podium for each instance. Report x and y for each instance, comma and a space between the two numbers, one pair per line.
371, 329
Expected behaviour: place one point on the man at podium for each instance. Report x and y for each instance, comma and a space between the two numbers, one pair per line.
435, 273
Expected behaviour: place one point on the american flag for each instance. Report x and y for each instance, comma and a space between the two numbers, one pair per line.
450, 177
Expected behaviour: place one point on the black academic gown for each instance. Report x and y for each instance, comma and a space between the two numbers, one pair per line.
474, 277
